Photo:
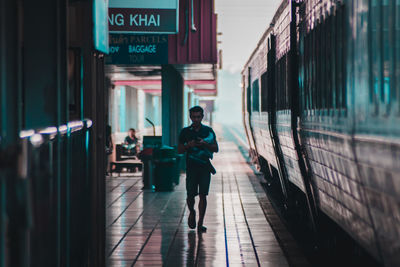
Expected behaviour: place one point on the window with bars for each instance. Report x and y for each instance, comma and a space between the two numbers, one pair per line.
323, 64
264, 92
384, 69
281, 83
256, 95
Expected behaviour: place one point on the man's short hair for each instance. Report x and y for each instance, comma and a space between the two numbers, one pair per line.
197, 109
131, 129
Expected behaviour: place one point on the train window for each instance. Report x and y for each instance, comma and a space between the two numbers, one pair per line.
307, 71
325, 83
264, 92
287, 88
329, 63
324, 79
321, 81
314, 68
248, 92
397, 53
342, 70
332, 54
323, 63
282, 90
309, 46
278, 84
336, 59
303, 72
387, 55
256, 95
375, 55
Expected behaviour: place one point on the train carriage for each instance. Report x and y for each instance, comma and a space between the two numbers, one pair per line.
271, 110
328, 118
255, 79
326, 124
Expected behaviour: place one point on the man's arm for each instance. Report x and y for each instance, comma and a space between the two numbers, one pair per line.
211, 147
182, 148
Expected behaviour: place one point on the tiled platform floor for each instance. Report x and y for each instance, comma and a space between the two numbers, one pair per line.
150, 228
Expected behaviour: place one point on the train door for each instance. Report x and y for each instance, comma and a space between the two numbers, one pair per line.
248, 112
244, 112
272, 93
302, 161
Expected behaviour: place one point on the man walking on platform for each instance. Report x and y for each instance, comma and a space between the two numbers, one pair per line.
200, 142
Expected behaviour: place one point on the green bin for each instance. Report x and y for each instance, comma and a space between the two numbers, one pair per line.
179, 166
165, 168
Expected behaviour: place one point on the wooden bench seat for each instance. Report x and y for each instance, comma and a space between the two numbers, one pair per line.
131, 164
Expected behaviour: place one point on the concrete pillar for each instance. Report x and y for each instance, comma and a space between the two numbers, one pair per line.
10, 74
10, 125
140, 109
186, 106
157, 110
114, 115
122, 108
130, 112
149, 108
172, 104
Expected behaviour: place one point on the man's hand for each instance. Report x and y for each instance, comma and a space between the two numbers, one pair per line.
191, 144
204, 144
182, 148
201, 143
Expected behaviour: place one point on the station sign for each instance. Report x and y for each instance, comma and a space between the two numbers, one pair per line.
143, 16
142, 49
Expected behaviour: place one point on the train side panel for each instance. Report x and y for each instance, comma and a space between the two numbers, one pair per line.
263, 138
283, 99
377, 119
326, 82
259, 115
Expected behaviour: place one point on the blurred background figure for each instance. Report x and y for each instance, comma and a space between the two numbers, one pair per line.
131, 143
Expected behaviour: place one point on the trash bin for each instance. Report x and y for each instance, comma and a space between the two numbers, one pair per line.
147, 171
179, 167
165, 168
150, 143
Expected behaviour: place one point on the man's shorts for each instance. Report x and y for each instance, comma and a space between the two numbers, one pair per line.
197, 181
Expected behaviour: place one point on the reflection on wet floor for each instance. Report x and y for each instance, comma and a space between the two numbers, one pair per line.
150, 228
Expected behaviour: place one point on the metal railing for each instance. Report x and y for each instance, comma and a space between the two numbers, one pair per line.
48, 198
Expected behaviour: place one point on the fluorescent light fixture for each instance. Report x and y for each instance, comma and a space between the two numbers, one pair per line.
26, 133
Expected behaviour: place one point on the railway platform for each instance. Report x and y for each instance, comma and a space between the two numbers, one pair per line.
147, 228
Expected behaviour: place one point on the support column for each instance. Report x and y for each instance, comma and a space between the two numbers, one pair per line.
149, 109
172, 105
131, 109
10, 92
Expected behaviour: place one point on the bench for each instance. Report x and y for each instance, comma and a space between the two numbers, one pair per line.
130, 164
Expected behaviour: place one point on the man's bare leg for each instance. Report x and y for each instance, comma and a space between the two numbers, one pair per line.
192, 215
202, 211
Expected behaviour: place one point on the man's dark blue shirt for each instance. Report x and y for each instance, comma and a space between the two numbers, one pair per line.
189, 133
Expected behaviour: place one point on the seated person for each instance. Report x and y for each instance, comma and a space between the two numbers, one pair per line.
130, 142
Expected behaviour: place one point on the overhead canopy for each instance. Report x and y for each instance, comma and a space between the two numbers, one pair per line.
199, 77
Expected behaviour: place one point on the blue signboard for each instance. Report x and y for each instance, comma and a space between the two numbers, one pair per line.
142, 49
100, 22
